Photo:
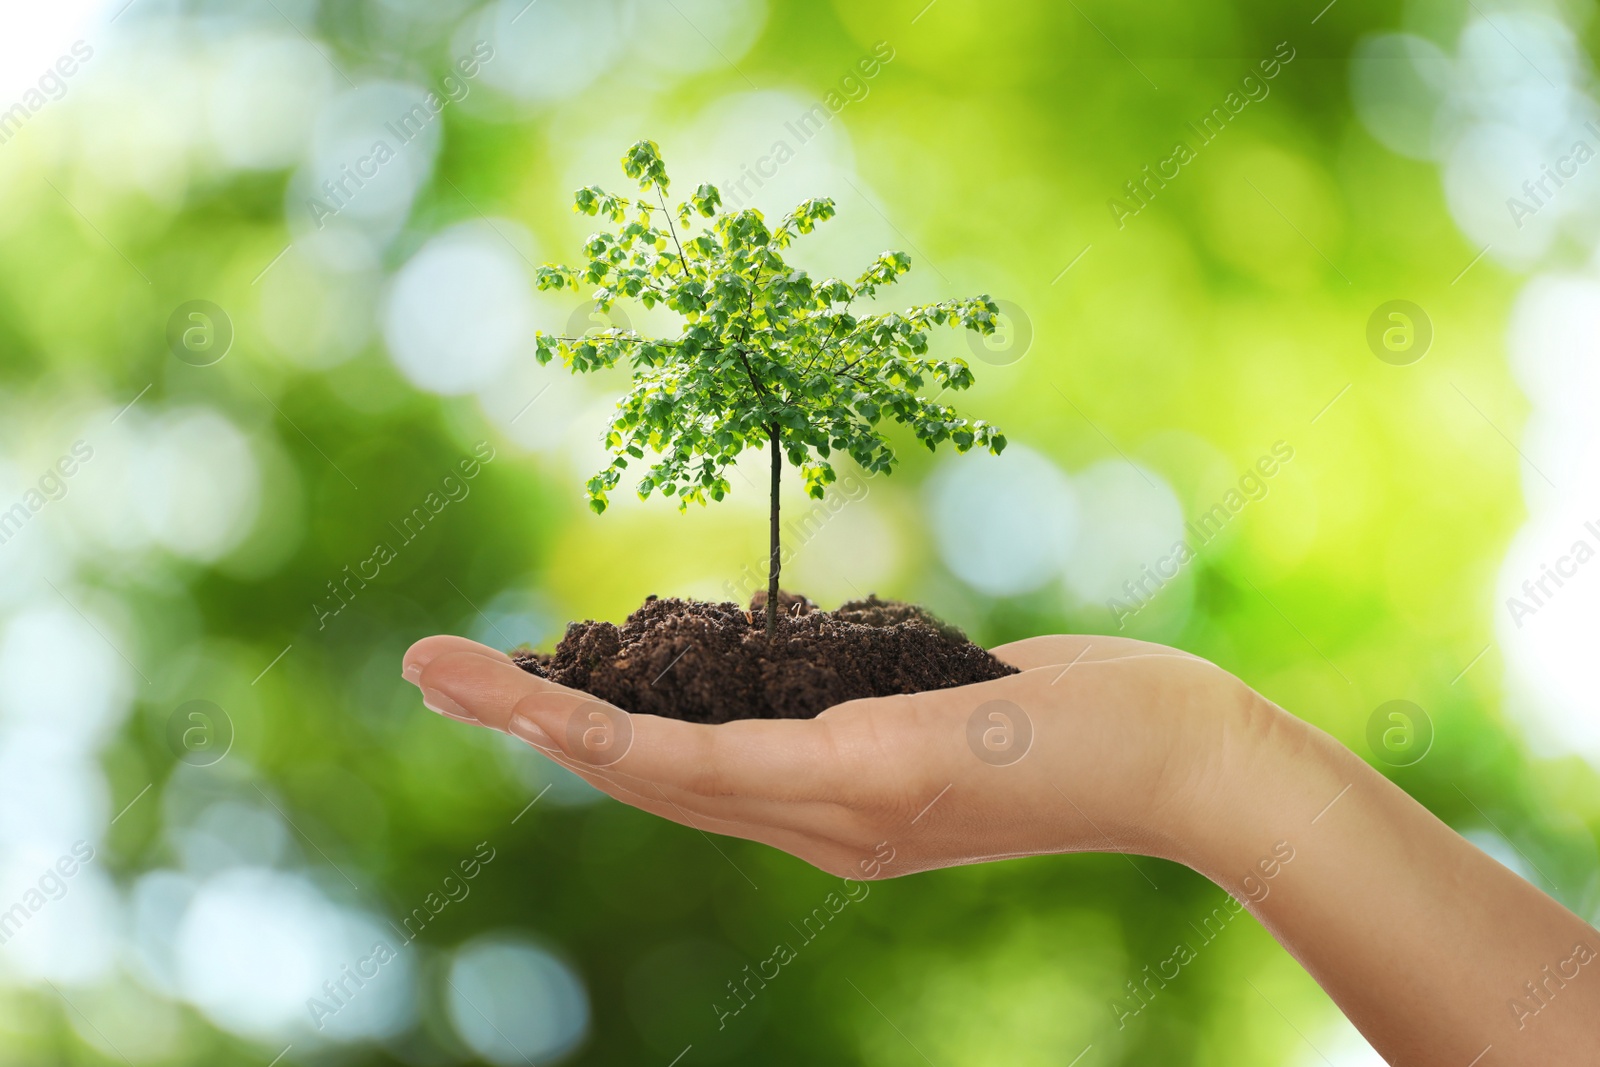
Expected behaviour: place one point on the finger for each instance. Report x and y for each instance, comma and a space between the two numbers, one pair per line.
423, 652
463, 683
475, 689
818, 831
749, 761
774, 759
819, 850
814, 832
804, 841
1062, 649
776, 782
779, 782
484, 692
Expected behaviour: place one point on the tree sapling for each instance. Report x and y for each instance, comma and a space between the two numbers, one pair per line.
766, 355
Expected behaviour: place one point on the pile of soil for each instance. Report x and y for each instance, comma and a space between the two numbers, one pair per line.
688, 659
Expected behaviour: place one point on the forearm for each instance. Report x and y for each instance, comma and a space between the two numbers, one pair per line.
1442, 957
1434, 951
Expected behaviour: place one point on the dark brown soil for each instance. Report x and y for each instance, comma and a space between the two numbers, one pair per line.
687, 659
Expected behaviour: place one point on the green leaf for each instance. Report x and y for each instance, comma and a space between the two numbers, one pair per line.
758, 343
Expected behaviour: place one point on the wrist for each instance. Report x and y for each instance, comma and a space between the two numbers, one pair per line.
1255, 791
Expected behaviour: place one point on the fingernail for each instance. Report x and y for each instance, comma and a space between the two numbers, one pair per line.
530, 731
411, 672
434, 700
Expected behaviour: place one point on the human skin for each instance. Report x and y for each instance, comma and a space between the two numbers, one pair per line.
1422, 940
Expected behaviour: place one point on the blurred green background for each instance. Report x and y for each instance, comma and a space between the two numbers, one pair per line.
201, 514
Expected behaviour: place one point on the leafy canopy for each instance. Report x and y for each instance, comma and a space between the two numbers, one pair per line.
765, 354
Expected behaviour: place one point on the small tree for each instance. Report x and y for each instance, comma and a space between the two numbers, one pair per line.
766, 355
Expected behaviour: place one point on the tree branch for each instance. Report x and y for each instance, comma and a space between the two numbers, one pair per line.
744, 335
826, 341
760, 389
844, 370
683, 260
843, 340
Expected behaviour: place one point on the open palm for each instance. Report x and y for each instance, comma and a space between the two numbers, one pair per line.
1093, 745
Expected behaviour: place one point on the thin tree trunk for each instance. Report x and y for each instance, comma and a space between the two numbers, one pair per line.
773, 559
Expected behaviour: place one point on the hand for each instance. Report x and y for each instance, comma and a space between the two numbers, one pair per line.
1109, 745
1100, 743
